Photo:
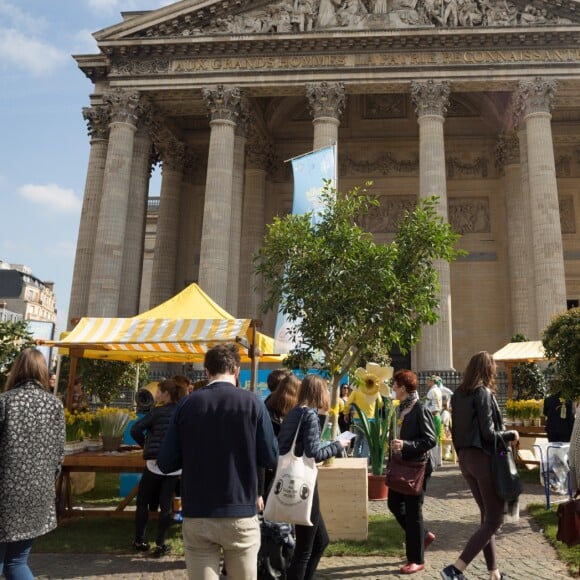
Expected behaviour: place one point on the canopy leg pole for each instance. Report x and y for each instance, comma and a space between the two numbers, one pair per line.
71, 379
253, 359
57, 373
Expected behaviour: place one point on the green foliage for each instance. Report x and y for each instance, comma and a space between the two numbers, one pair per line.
561, 340
528, 381
519, 337
377, 433
105, 378
547, 520
346, 295
14, 337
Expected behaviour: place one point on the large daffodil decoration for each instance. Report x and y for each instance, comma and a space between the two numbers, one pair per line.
373, 379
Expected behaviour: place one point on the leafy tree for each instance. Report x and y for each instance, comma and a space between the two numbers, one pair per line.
14, 337
528, 380
561, 340
105, 378
346, 295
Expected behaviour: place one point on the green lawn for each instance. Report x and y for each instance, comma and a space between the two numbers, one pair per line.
115, 535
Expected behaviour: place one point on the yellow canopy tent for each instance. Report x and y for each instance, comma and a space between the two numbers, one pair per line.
181, 329
519, 352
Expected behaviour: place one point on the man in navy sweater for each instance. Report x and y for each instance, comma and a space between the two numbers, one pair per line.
218, 436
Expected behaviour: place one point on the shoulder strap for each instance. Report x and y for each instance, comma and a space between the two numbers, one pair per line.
297, 430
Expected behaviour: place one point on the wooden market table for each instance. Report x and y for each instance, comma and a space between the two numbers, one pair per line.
128, 460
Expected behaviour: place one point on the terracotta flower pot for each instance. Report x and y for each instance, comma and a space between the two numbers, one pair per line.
378, 489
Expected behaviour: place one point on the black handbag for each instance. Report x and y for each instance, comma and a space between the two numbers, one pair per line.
506, 478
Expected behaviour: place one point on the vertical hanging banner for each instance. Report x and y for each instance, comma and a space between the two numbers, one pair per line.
309, 170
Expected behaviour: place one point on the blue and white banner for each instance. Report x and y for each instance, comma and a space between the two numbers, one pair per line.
310, 171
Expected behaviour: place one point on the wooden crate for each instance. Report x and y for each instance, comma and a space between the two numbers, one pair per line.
343, 489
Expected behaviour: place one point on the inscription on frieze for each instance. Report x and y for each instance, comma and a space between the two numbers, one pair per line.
469, 215
204, 65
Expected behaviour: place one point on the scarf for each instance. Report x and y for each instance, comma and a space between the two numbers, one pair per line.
405, 407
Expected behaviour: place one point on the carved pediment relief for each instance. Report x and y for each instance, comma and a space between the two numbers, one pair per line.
198, 18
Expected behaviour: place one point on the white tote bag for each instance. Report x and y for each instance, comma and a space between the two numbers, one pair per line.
292, 492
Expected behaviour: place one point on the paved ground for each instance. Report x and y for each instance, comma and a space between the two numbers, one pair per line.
449, 511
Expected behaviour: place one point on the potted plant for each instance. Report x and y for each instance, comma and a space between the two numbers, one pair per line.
377, 434
73, 433
113, 421
91, 430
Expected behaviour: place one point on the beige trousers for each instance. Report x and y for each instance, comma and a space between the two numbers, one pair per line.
204, 538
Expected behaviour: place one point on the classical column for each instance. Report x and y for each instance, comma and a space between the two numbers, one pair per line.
190, 214
242, 123
326, 101
98, 123
110, 238
166, 240
518, 236
431, 100
258, 155
550, 280
223, 103
135, 228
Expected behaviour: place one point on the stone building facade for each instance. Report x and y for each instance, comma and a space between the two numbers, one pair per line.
476, 101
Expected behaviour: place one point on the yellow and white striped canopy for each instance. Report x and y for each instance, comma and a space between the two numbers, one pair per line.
532, 350
167, 333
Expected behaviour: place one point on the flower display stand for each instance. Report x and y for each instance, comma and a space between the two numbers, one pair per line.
343, 490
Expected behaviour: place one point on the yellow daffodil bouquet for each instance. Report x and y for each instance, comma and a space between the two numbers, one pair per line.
113, 421
74, 427
90, 424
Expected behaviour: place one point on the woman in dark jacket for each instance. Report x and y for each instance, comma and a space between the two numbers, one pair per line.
32, 434
311, 541
155, 488
476, 427
279, 404
416, 436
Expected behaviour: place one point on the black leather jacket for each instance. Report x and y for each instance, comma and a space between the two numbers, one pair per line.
476, 420
418, 433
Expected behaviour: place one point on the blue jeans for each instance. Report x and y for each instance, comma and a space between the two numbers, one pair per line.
14, 560
361, 445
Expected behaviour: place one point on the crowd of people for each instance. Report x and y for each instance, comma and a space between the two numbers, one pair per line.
221, 526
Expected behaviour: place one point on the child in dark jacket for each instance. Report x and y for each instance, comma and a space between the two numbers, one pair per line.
155, 488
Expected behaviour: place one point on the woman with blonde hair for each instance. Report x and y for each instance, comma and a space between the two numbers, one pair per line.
32, 435
311, 541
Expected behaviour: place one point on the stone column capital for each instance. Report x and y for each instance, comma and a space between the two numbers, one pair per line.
223, 102
534, 96
98, 120
259, 154
173, 154
430, 97
124, 105
326, 99
245, 119
507, 150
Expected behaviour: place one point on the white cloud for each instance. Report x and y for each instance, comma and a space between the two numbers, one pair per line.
20, 19
100, 6
58, 198
29, 54
84, 43
117, 6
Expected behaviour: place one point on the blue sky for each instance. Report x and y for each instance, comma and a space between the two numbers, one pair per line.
44, 146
